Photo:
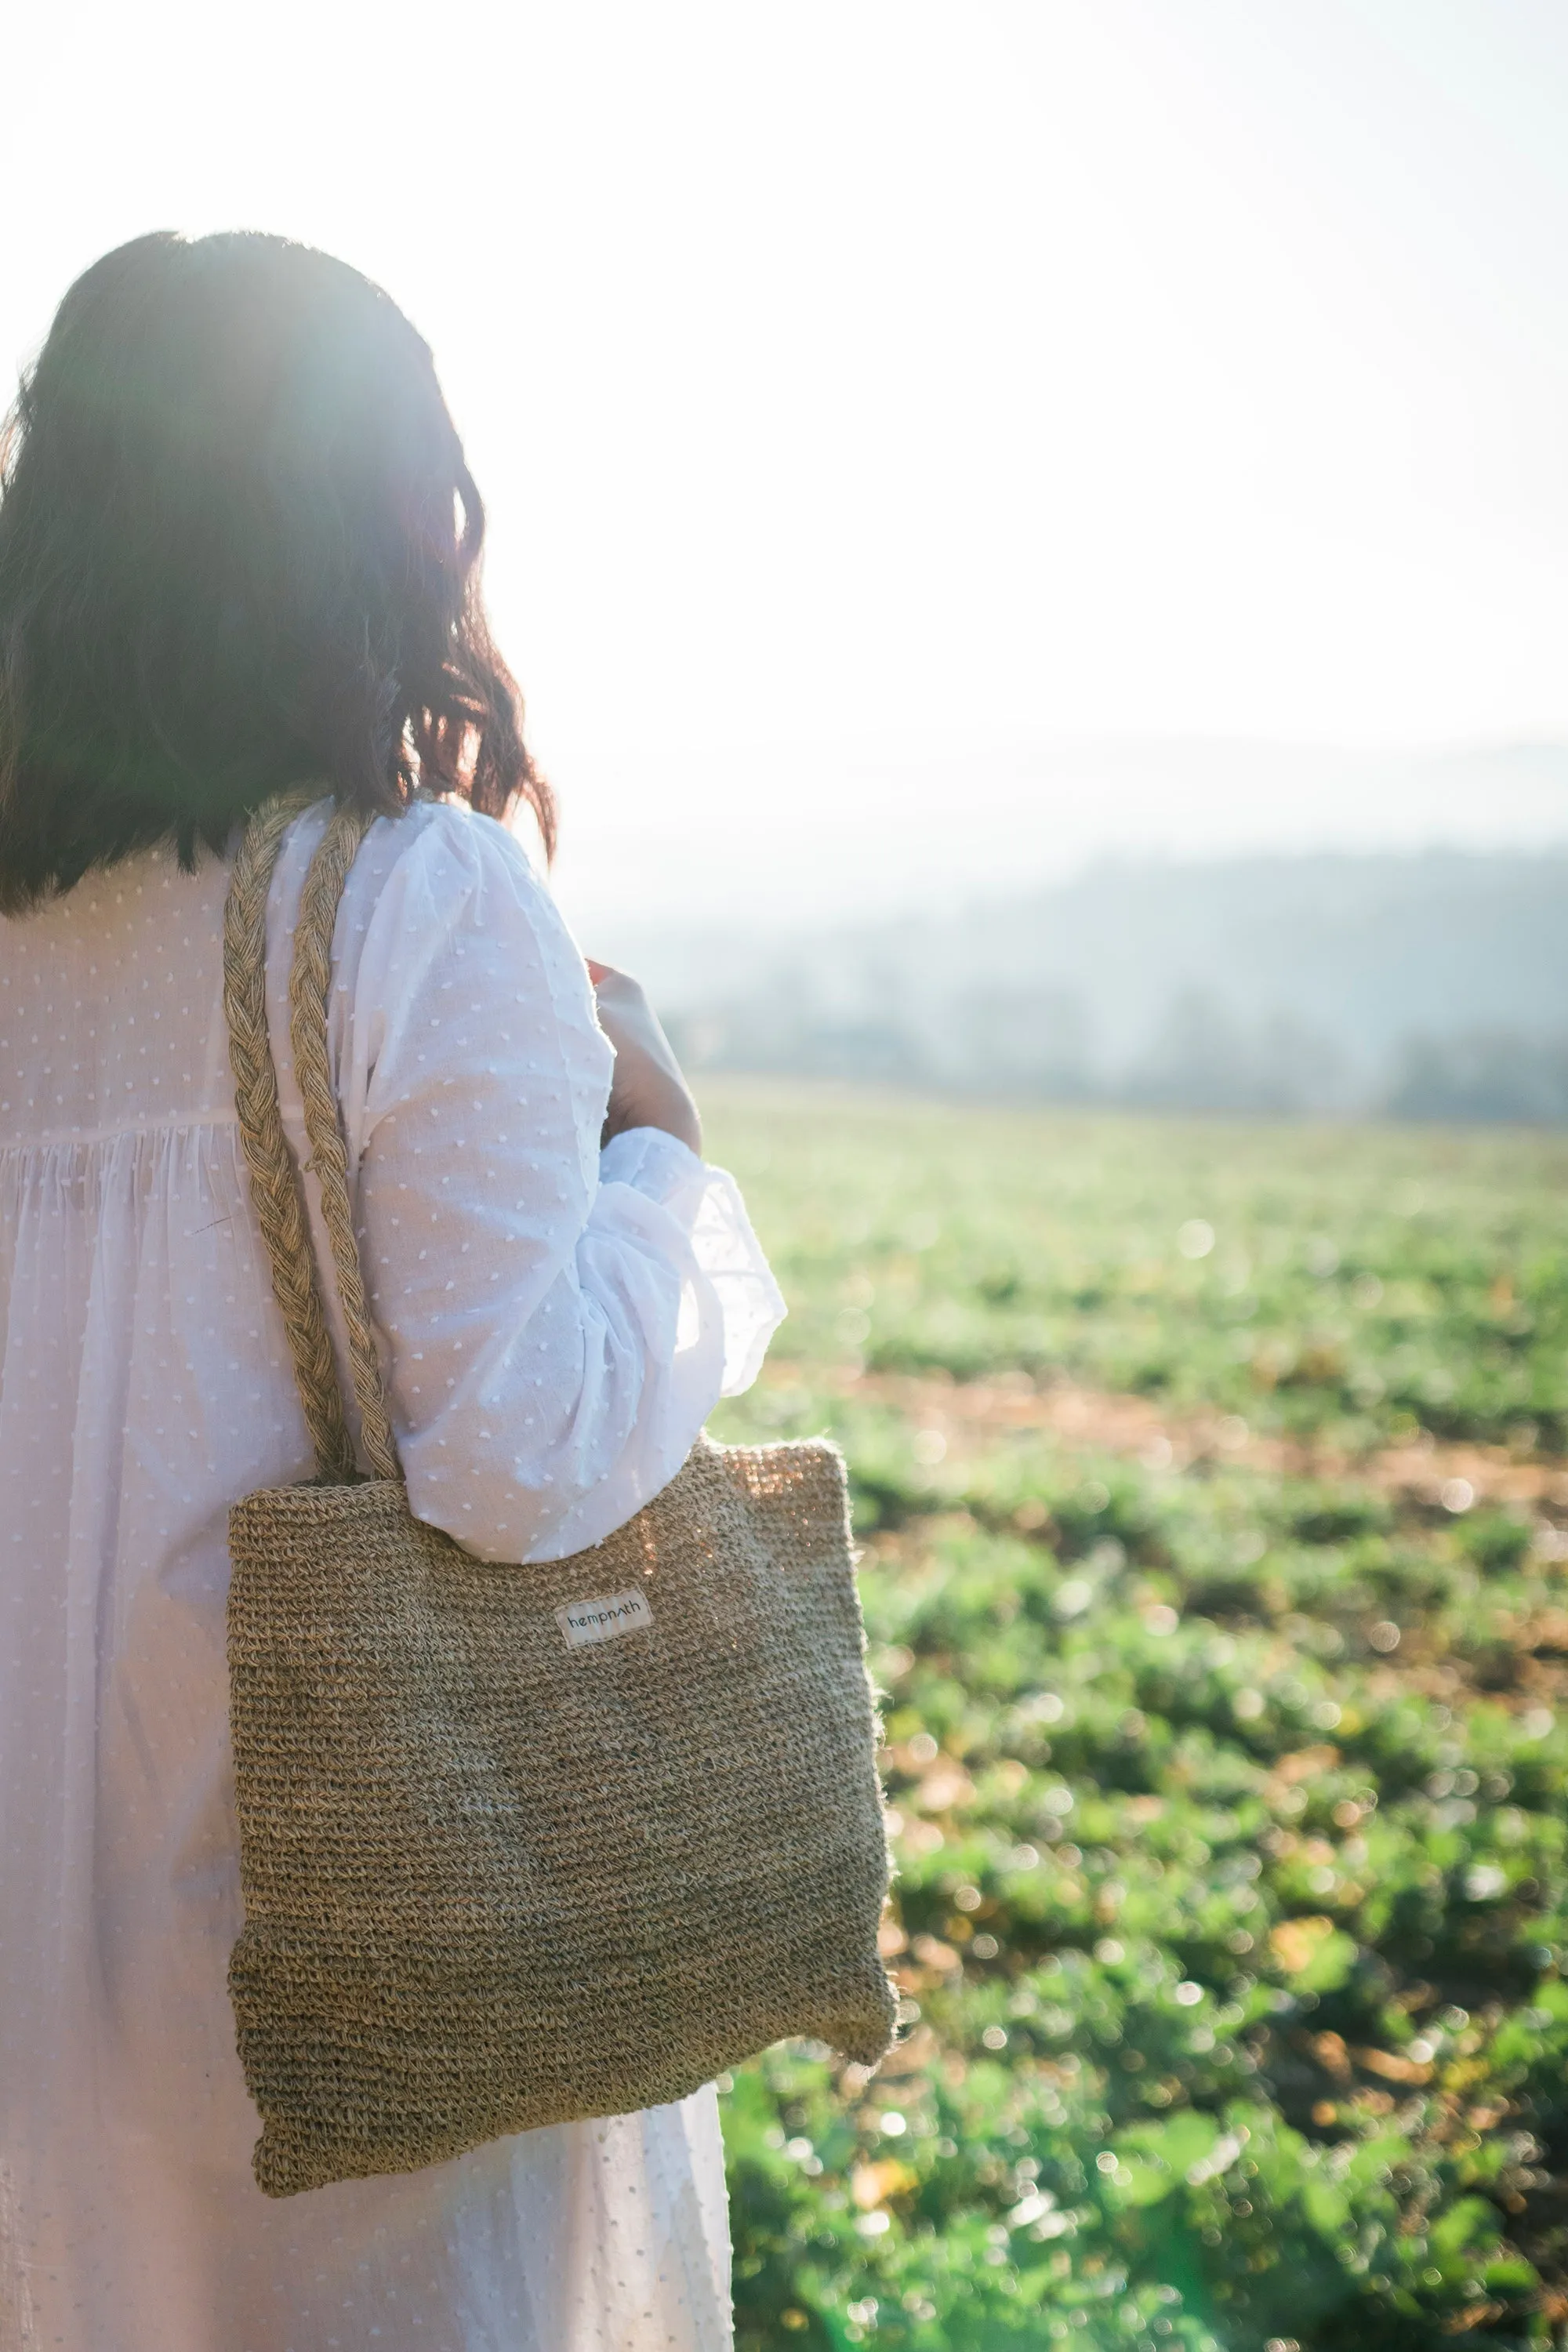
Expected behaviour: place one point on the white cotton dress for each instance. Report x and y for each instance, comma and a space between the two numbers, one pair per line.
558, 1323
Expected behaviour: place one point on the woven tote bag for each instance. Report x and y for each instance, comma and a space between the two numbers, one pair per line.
518, 1844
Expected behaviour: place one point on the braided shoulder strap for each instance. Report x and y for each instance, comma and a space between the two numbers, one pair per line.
275, 1185
274, 1181
308, 986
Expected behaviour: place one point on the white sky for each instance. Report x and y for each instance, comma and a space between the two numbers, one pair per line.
852, 372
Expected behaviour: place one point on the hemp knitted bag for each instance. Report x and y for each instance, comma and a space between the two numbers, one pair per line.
518, 1844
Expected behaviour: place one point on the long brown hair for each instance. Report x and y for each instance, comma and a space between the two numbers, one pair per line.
239, 549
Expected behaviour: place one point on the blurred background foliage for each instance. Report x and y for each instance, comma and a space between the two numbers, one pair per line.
1429, 985
1210, 1480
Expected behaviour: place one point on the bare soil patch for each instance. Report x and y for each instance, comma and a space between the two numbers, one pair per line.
970, 1415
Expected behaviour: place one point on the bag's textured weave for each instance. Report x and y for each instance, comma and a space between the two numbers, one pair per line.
492, 1880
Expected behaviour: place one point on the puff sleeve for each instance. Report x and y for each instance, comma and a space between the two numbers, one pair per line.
556, 1323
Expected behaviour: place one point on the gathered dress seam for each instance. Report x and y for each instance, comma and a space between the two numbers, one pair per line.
61, 1139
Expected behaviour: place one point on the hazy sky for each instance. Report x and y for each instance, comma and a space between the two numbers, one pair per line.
849, 371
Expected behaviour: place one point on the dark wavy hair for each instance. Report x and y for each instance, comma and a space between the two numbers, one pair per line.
239, 550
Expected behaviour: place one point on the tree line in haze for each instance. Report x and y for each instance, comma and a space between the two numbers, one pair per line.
1432, 986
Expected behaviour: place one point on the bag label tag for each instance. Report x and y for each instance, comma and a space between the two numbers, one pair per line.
582, 1621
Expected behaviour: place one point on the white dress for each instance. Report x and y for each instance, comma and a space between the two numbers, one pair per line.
559, 1324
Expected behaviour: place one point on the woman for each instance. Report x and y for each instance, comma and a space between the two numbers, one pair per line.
238, 551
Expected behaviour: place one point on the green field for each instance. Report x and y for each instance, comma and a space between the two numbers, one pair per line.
1211, 1482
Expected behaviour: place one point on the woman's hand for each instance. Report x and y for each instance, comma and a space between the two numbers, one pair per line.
647, 1088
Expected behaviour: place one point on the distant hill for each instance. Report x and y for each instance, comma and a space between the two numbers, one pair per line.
1428, 985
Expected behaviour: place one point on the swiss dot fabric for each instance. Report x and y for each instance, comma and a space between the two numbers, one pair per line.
557, 1324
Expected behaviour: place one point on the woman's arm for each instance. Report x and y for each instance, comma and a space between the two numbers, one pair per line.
648, 1089
558, 1326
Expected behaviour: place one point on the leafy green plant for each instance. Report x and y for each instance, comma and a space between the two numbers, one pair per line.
1226, 1749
